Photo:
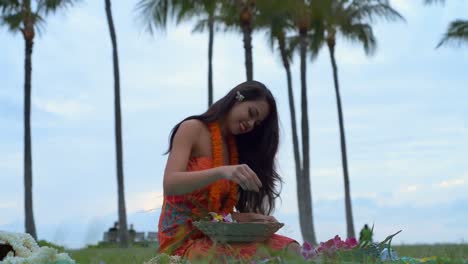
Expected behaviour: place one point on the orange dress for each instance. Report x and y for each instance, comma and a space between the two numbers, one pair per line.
178, 236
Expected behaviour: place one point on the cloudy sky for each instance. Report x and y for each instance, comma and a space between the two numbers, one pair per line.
405, 115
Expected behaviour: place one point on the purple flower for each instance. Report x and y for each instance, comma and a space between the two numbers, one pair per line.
228, 218
308, 251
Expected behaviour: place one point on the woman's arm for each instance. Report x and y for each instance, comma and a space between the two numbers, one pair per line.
176, 179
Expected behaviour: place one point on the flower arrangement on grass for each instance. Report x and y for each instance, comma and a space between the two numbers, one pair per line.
25, 250
337, 250
329, 248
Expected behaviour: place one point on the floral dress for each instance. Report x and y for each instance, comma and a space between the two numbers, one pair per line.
178, 236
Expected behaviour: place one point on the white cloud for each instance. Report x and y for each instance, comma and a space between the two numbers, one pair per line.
144, 201
410, 188
451, 183
65, 108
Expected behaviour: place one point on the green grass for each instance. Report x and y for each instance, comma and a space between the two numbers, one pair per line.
453, 251
138, 255
112, 255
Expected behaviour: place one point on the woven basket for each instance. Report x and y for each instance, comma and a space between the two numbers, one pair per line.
238, 232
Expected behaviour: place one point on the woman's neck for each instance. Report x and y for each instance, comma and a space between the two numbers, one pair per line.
224, 129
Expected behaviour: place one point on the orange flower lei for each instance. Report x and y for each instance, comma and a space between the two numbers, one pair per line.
217, 153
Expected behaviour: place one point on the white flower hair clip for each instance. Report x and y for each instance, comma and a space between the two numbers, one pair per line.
239, 97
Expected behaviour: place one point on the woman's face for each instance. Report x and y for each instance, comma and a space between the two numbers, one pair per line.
245, 116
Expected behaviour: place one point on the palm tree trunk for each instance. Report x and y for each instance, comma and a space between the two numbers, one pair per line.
303, 185
28, 197
247, 31
305, 206
292, 108
210, 59
123, 231
349, 211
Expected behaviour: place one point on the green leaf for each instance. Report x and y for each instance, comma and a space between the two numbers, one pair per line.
13, 21
154, 14
457, 32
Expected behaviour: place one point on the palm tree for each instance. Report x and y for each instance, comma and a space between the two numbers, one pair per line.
123, 230
351, 21
209, 10
300, 12
20, 16
275, 17
241, 14
457, 31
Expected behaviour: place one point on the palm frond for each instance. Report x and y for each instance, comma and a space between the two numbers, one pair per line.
39, 24
429, 2
457, 32
316, 41
184, 10
229, 14
289, 53
153, 14
374, 11
200, 25
9, 6
362, 33
52, 6
274, 17
13, 21
293, 43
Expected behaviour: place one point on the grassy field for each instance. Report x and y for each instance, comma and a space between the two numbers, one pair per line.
456, 252
112, 255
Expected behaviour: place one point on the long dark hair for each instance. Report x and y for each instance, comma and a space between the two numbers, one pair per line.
257, 148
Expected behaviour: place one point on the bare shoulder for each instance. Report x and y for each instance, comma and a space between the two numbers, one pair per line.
199, 135
192, 127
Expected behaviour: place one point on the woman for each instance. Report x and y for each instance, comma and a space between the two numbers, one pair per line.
222, 160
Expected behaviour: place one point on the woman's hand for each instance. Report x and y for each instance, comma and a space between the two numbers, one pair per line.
242, 175
253, 217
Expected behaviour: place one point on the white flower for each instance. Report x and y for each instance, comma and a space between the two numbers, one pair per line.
28, 252
23, 244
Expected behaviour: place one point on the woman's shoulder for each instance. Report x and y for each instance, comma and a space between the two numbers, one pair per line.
195, 133
192, 126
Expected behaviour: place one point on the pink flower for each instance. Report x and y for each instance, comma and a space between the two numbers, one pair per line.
328, 248
351, 243
308, 251
332, 245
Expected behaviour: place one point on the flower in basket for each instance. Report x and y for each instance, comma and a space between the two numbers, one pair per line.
225, 218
